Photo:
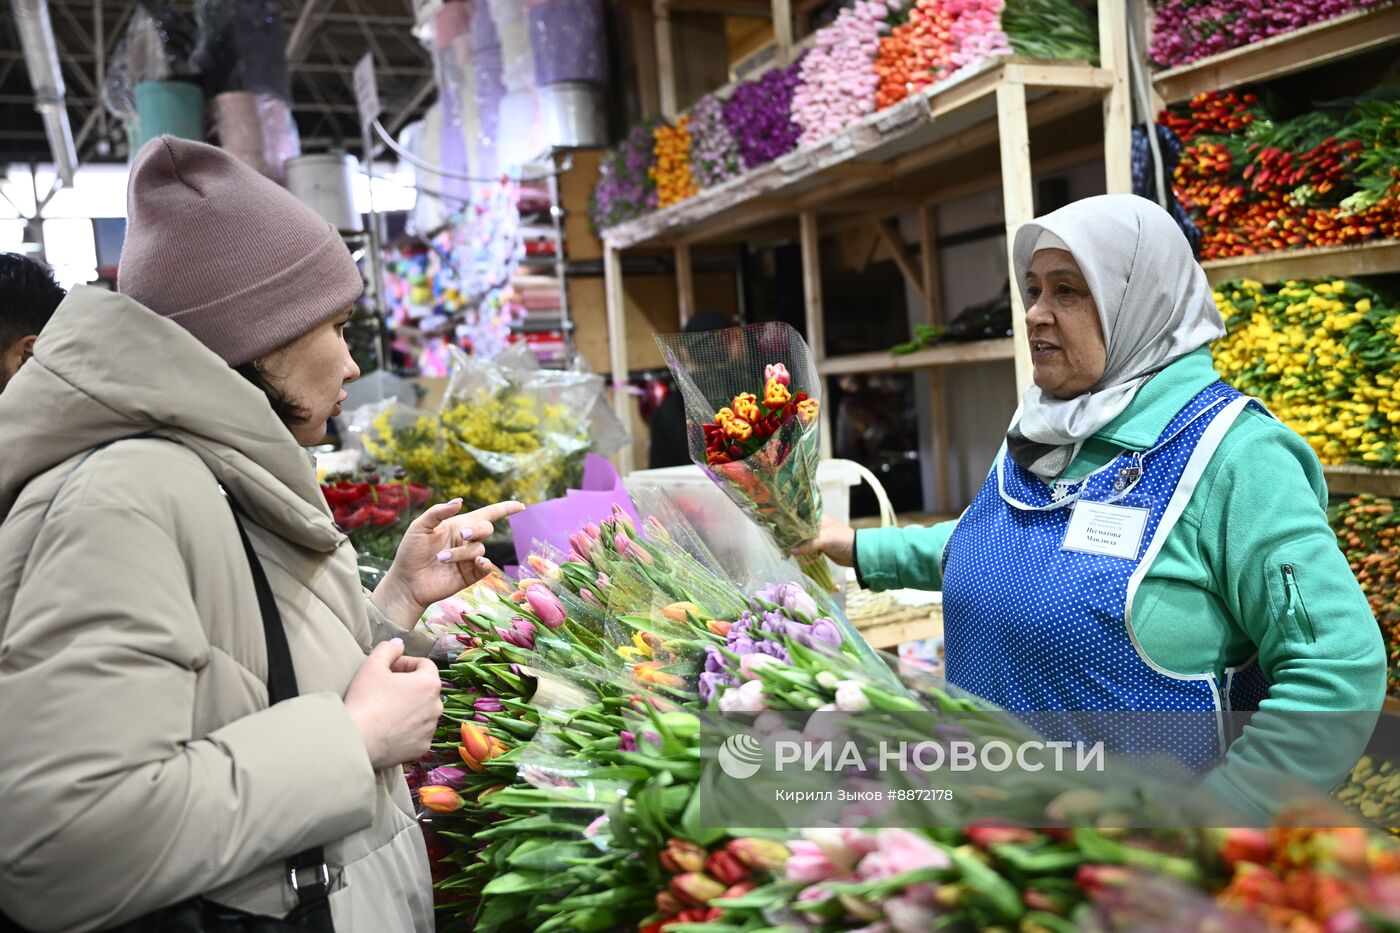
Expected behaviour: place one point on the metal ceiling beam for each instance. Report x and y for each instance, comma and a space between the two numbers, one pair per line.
419, 96
297, 39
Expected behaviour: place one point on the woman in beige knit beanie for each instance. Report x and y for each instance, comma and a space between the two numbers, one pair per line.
144, 766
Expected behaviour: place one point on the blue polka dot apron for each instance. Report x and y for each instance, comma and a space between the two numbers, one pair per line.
1037, 606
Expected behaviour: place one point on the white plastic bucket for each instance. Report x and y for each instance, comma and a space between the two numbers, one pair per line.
325, 182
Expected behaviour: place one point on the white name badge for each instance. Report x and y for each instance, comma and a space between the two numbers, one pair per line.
1110, 530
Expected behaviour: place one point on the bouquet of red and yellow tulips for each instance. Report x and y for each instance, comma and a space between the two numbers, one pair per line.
761, 450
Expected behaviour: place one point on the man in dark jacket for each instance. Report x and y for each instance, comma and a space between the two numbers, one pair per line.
28, 297
669, 446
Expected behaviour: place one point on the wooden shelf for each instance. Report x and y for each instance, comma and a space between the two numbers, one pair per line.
940, 124
1378, 258
1339, 38
1349, 479
948, 354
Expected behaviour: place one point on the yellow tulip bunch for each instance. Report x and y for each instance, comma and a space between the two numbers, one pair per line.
1324, 356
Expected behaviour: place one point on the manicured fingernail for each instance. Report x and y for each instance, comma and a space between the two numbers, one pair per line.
456, 501
482, 562
466, 535
444, 556
396, 641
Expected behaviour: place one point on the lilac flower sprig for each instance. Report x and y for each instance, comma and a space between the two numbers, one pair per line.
625, 189
714, 153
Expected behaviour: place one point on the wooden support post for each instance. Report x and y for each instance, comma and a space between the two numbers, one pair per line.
1018, 206
1117, 103
665, 62
890, 234
617, 350
641, 28
812, 299
685, 284
782, 29
938, 393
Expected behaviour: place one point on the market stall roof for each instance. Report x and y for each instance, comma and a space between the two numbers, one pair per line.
324, 40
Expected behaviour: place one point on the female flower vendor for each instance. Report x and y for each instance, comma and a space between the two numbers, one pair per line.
1149, 539
163, 532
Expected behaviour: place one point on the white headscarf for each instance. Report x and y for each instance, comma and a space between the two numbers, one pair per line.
1154, 303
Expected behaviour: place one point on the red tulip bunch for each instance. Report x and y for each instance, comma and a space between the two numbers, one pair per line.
748, 422
374, 511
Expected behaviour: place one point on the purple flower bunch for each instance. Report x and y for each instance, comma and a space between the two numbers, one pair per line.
778, 613
759, 115
714, 153
1186, 30
625, 189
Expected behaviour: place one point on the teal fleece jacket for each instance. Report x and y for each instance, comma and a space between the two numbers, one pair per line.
1216, 592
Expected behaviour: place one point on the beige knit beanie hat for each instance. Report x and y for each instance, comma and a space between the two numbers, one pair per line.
227, 254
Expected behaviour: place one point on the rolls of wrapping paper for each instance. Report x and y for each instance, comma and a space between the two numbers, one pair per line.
174, 108
540, 299
259, 129
569, 41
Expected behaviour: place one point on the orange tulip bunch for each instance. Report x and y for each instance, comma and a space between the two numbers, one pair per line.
1256, 183
671, 170
913, 54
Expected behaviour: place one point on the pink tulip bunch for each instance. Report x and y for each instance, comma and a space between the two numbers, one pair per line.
976, 32
844, 855
837, 81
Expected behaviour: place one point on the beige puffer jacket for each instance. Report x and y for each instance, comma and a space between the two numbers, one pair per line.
139, 763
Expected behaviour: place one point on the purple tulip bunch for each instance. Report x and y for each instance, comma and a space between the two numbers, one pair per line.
836, 85
759, 115
1186, 30
778, 614
625, 189
714, 153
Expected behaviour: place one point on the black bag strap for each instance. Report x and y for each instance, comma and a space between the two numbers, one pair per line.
281, 676
307, 871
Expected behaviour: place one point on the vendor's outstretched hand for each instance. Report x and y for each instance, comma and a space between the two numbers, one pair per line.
441, 553
835, 540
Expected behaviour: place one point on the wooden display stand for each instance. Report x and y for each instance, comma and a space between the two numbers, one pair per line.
939, 144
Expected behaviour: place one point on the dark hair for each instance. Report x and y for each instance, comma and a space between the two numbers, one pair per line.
282, 406
28, 297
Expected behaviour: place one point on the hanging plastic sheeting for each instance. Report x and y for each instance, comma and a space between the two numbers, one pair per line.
242, 53
570, 45
520, 129
423, 138
487, 68
451, 42
157, 46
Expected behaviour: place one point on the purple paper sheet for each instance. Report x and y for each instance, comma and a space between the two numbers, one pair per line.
553, 520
